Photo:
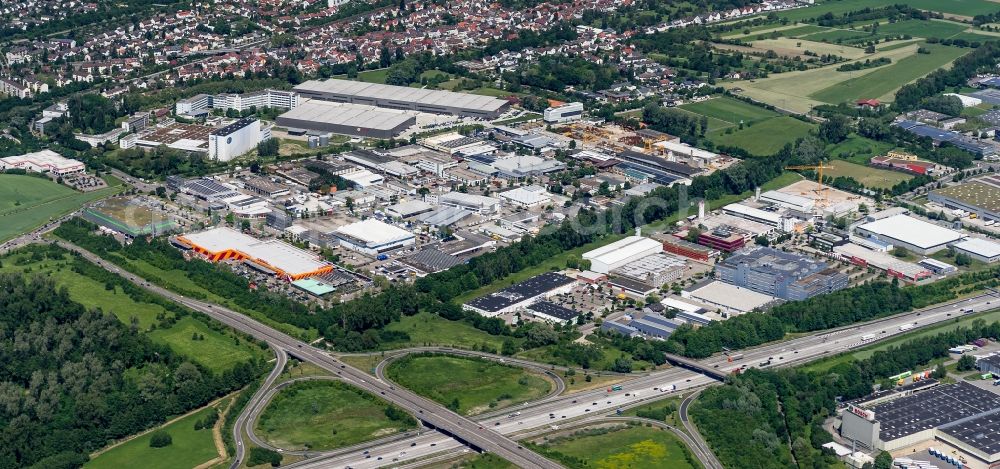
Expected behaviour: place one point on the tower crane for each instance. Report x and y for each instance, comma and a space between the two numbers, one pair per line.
819, 176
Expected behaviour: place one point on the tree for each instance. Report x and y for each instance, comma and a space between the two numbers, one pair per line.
940, 372
160, 439
835, 128
258, 456
966, 363
509, 347
883, 460
622, 365
268, 147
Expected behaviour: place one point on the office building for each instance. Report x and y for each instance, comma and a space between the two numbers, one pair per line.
781, 274
44, 161
234, 140
723, 239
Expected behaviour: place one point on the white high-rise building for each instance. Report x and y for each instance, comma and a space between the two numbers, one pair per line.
234, 139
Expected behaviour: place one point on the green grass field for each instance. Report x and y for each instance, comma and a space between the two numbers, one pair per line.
863, 353
322, 415
430, 329
218, 352
630, 447
870, 177
857, 149
190, 448
838, 7
764, 138
882, 82
478, 385
27, 202
730, 110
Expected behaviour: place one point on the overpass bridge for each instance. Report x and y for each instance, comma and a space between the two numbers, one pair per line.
696, 366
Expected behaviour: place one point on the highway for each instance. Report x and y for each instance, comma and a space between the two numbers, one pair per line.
497, 434
431, 413
245, 419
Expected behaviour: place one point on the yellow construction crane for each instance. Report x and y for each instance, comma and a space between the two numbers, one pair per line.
819, 176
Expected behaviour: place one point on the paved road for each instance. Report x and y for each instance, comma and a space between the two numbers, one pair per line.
651, 386
431, 413
247, 417
707, 457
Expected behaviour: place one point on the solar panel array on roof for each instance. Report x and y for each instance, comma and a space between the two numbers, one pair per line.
517, 293
932, 408
981, 432
553, 310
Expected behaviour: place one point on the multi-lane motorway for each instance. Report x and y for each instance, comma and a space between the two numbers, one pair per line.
497, 434
425, 410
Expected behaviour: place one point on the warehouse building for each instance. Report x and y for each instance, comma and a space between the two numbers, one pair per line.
979, 249
789, 201
910, 233
551, 312
567, 112
753, 214
474, 203
961, 415
404, 98
607, 258
656, 269
45, 161
728, 299
655, 326
891, 265
409, 208
526, 197
373, 237
270, 256
521, 295
234, 140
347, 119
781, 274
980, 196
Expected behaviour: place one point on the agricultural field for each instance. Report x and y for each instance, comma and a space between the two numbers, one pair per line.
468, 386
730, 110
218, 351
189, 447
882, 82
800, 91
27, 202
323, 415
621, 447
792, 46
764, 138
868, 176
967, 8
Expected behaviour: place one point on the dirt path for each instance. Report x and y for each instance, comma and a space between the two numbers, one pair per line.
220, 445
164, 424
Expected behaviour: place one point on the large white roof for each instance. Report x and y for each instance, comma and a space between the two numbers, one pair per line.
980, 247
403, 94
374, 232
912, 231
622, 250
353, 115
747, 211
275, 253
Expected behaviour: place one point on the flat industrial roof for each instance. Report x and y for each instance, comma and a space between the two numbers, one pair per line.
977, 193
623, 249
403, 93
932, 408
745, 210
314, 287
351, 115
881, 260
553, 310
519, 292
912, 231
730, 296
374, 232
981, 432
527, 195
273, 253
979, 247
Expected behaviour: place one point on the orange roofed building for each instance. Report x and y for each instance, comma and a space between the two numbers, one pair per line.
270, 256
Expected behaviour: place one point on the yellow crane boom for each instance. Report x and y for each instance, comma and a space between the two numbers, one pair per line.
819, 176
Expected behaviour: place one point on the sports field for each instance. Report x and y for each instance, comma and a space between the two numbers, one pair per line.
189, 447
323, 415
764, 138
628, 447
884, 81
476, 385
27, 202
868, 176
